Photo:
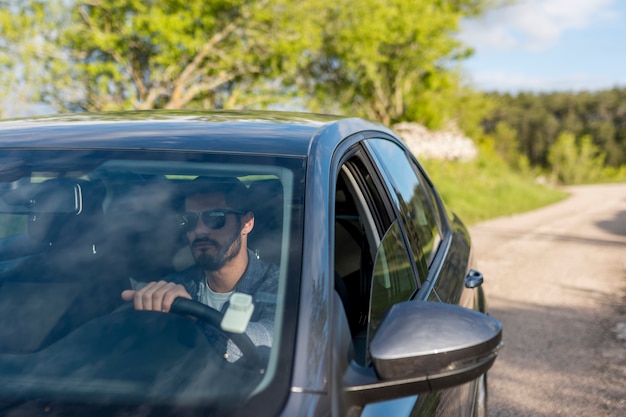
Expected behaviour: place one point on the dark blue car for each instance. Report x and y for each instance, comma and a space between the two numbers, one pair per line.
374, 308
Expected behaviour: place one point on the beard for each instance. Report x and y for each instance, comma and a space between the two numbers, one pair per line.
225, 253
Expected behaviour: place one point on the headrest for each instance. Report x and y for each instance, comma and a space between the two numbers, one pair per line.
235, 192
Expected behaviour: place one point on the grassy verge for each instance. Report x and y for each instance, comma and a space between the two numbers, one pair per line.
487, 188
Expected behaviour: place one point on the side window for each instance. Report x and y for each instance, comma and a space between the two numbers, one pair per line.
372, 265
393, 280
413, 199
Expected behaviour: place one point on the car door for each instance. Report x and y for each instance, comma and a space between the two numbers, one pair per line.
373, 266
441, 270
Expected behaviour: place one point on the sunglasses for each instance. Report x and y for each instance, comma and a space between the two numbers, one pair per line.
212, 219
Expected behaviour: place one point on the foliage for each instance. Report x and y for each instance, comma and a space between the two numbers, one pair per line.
487, 187
470, 109
506, 143
30, 56
388, 60
540, 119
136, 54
576, 161
392, 60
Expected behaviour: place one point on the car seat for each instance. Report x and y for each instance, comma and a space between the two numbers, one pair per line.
265, 240
141, 229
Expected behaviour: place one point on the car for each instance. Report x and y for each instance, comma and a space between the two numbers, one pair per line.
377, 308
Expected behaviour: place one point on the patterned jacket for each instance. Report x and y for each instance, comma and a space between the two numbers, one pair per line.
260, 280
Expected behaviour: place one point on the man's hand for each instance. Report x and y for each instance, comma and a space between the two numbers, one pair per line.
155, 296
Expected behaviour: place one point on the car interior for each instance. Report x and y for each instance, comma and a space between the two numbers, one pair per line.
354, 259
85, 239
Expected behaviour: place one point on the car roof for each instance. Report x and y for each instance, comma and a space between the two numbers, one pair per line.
258, 132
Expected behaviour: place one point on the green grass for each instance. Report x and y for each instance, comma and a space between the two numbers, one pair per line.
487, 188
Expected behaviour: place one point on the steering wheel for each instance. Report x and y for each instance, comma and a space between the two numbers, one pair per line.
186, 307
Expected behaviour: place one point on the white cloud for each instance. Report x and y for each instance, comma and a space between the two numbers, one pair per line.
534, 24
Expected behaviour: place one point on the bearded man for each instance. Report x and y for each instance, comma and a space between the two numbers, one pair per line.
216, 221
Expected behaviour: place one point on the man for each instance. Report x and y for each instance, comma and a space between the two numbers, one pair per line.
217, 221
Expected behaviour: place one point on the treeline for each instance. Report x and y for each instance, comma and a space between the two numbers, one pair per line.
576, 136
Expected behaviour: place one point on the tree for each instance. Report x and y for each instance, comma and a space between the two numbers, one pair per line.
388, 60
149, 54
506, 143
392, 60
29, 30
575, 161
539, 119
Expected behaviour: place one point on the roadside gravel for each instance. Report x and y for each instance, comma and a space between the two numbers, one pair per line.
556, 278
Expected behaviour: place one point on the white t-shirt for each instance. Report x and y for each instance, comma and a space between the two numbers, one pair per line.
211, 298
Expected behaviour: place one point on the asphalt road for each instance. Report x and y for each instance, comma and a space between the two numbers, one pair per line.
556, 279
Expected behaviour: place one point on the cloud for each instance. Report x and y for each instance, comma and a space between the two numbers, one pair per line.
534, 25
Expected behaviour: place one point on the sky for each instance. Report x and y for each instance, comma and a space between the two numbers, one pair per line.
548, 45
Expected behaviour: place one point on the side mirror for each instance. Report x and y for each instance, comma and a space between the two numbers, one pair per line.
423, 346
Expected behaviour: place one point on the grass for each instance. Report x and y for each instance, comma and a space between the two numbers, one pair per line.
487, 188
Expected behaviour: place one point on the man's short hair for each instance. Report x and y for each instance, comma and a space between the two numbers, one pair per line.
235, 191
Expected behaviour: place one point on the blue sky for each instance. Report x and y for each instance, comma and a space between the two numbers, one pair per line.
548, 45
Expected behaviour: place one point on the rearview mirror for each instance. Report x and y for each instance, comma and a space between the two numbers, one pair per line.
56, 196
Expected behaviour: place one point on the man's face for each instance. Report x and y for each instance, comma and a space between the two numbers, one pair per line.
212, 248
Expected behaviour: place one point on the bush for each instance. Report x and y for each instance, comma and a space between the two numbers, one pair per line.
576, 161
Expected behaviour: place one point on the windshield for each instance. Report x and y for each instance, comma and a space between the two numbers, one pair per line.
87, 236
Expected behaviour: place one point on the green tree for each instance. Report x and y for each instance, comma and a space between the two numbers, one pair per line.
388, 60
29, 49
147, 54
575, 161
506, 143
540, 118
392, 60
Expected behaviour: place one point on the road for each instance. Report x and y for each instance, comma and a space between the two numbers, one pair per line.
556, 279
